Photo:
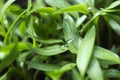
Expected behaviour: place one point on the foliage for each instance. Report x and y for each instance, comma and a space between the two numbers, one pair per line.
60, 40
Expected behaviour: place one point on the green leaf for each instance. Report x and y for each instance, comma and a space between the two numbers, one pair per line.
39, 58
5, 51
14, 10
114, 4
105, 54
112, 73
21, 46
69, 28
38, 4
76, 75
114, 17
10, 58
74, 45
95, 71
85, 51
2, 31
22, 28
42, 66
57, 3
75, 8
55, 75
114, 25
47, 25
67, 67
49, 41
5, 76
60, 4
87, 25
10, 30
49, 10
49, 51
6, 5
80, 20
90, 3
29, 5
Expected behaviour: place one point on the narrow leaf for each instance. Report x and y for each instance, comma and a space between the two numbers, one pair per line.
114, 4
114, 25
38, 4
8, 48
42, 66
114, 17
49, 41
76, 75
105, 54
2, 31
85, 51
57, 3
5, 76
76, 8
44, 10
7, 4
90, 3
55, 75
67, 67
69, 28
60, 4
86, 26
29, 5
112, 73
74, 45
80, 20
48, 51
10, 58
12, 26
95, 71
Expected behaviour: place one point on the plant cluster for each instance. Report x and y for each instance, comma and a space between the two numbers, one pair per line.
60, 40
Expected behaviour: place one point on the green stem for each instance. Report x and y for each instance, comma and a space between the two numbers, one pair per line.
97, 31
32, 32
86, 26
12, 26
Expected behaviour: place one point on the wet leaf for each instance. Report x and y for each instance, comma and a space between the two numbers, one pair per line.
49, 51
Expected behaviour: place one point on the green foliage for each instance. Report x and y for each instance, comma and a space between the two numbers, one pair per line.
60, 39
85, 51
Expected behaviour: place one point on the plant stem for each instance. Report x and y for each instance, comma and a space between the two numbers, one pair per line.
12, 26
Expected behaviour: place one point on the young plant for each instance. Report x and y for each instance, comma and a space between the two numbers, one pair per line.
60, 40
